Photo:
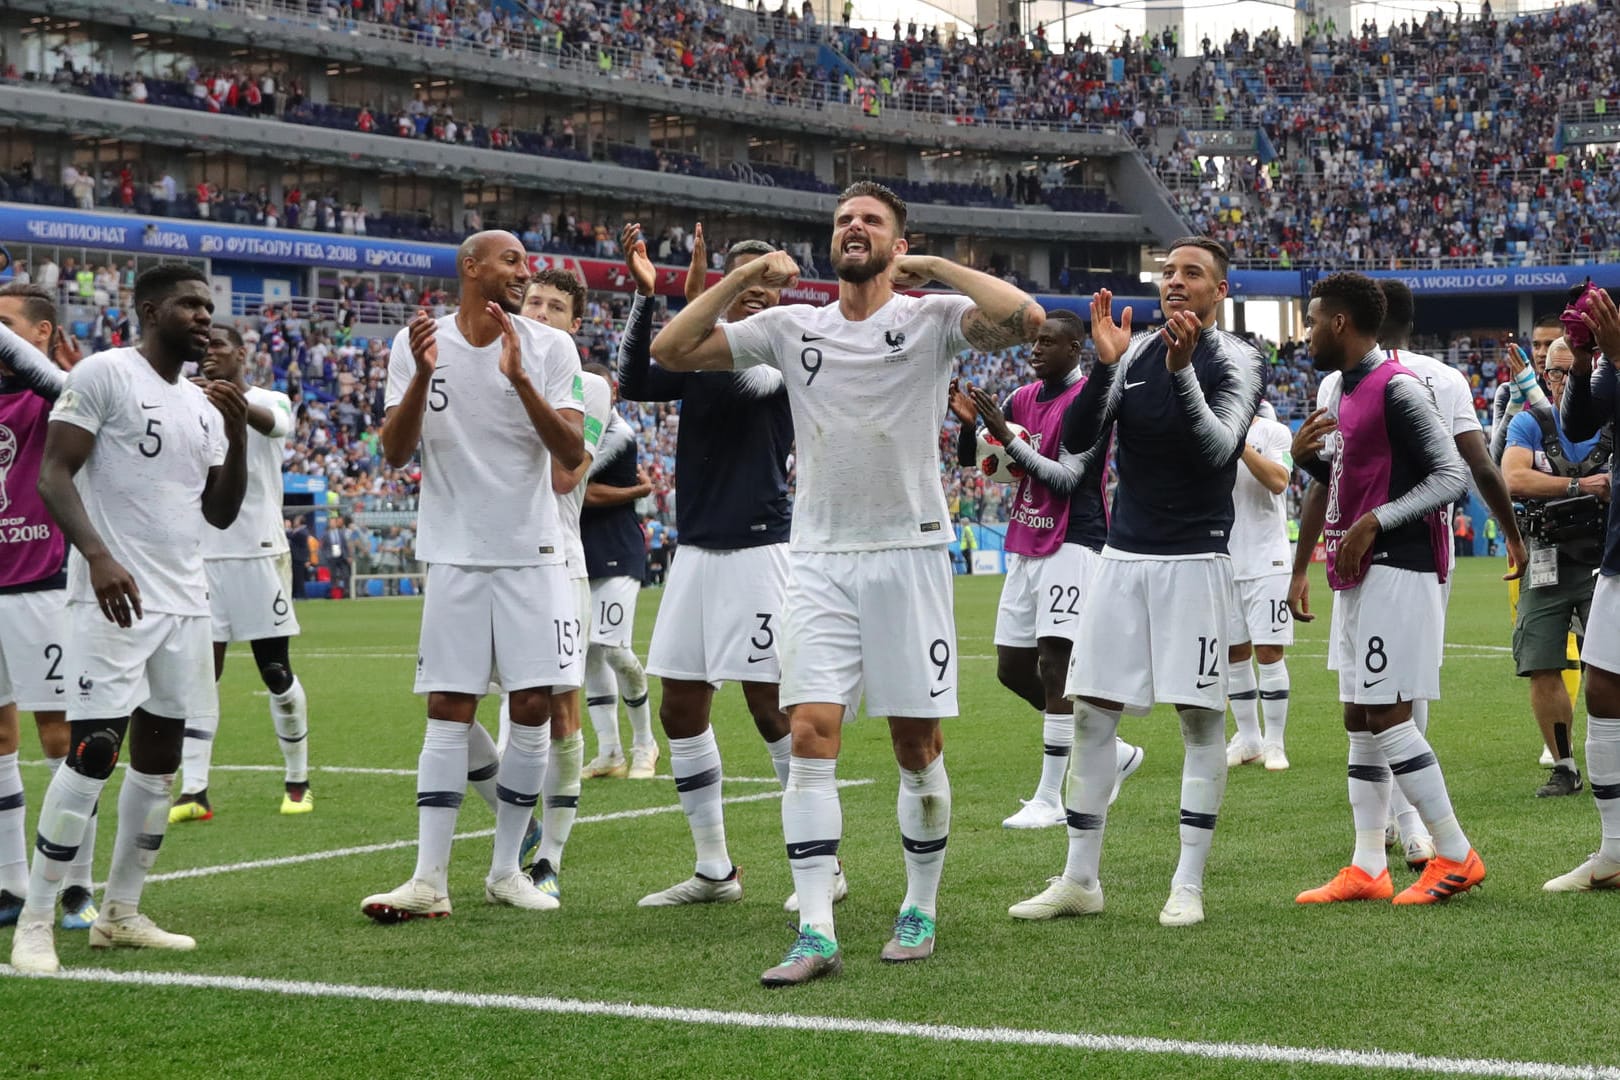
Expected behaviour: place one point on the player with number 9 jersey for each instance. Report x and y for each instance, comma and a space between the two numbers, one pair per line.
870, 596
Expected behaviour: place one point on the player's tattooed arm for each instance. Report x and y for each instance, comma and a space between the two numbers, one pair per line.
31, 366
989, 334
1416, 433
1002, 315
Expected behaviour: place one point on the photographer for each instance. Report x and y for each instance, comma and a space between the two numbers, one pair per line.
1564, 487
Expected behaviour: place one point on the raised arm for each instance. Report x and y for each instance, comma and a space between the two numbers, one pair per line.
693, 340
561, 430
1591, 396
227, 483
1221, 422
639, 378
402, 423
31, 366
1003, 315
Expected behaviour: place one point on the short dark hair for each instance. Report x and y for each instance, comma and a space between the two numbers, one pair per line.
1399, 310
565, 282
1357, 295
598, 369
38, 305
744, 247
873, 190
1549, 321
1223, 261
1068, 321
156, 284
232, 333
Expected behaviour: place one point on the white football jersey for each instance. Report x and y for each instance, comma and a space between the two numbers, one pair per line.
258, 529
142, 487
486, 497
868, 402
1259, 543
598, 411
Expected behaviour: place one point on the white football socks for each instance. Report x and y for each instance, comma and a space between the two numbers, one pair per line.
483, 763
1417, 771
1092, 768
13, 837
560, 791
143, 818
781, 752
1369, 801
64, 818
1603, 770
696, 765
78, 872
197, 752
522, 771
1203, 785
290, 714
441, 782
813, 825
924, 809
632, 678
602, 700
1274, 691
1057, 740
1243, 694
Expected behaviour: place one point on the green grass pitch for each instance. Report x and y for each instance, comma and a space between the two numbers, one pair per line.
1507, 972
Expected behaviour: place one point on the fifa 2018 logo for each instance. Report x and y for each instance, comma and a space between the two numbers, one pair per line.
8, 455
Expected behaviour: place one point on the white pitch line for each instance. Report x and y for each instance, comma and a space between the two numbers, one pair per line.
1264, 1053
359, 770
395, 845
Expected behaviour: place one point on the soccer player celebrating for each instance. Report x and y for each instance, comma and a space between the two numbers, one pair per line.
1179, 402
556, 297
616, 556
1591, 404
1059, 524
1454, 397
250, 594
1261, 627
1390, 468
132, 452
476, 389
722, 608
33, 588
869, 597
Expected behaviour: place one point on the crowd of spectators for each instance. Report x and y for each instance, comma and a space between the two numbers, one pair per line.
1432, 140
1426, 140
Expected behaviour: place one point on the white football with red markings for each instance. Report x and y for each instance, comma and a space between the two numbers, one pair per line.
995, 462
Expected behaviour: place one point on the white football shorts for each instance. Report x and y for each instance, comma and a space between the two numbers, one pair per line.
879, 619
1259, 610
33, 634
721, 615
613, 611
1601, 646
515, 624
1042, 595
162, 663
1154, 630
1385, 638
251, 599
